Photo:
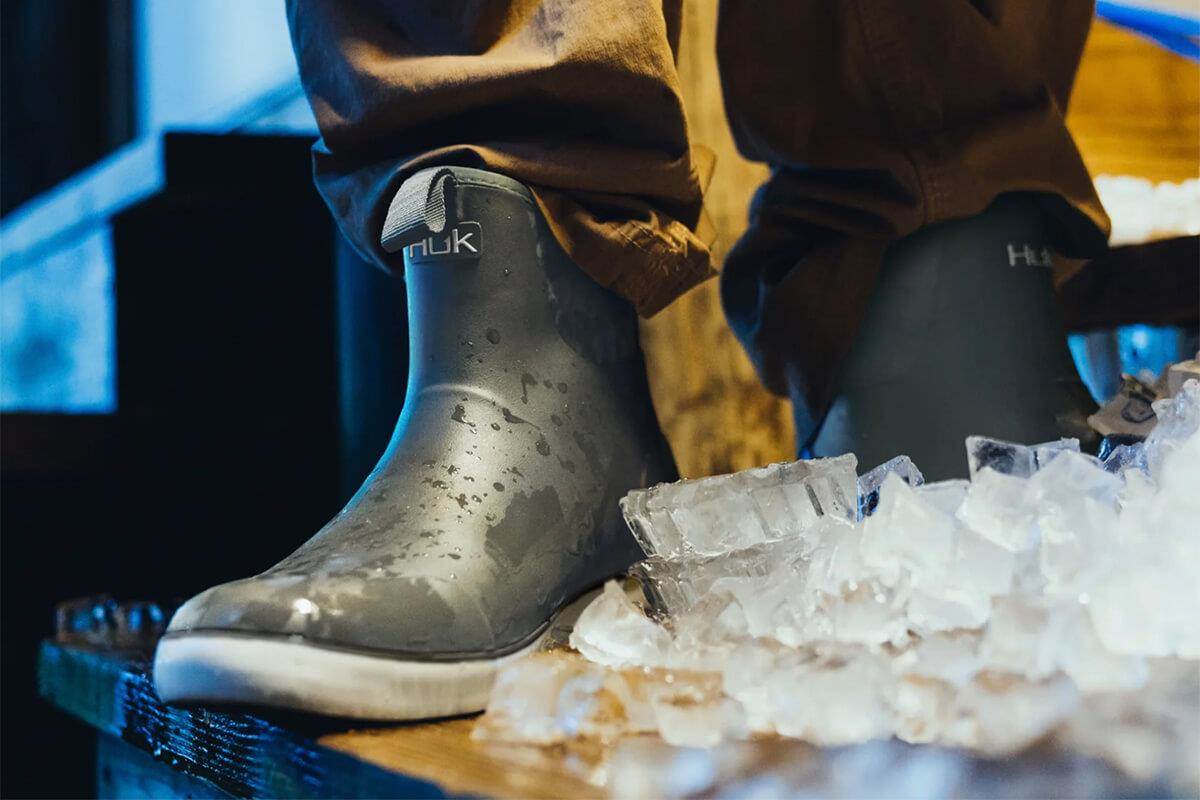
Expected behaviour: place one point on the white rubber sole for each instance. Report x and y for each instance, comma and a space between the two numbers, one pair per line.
205, 667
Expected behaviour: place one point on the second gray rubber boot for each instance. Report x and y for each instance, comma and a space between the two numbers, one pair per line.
527, 417
962, 336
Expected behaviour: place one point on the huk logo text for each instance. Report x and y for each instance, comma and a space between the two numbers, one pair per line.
1026, 256
464, 240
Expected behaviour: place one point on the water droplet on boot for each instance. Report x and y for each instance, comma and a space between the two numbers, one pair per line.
512, 418
527, 380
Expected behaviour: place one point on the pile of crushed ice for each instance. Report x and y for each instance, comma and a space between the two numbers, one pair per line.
1051, 594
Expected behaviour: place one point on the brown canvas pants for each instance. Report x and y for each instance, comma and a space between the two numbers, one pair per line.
878, 117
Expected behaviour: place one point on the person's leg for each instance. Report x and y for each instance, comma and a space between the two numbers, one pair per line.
490, 151
882, 120
579, 101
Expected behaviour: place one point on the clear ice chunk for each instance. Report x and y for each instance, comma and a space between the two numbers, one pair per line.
999, 715
946, 495
999, 507
1181, 373
1046, 452
907, 532
1010, 458
1178, 420
102, 621
676, 585
615, 632
870, 482
697, 718
1007, 458
721, 514
1126, 456
839, 700
949, 658
538, 700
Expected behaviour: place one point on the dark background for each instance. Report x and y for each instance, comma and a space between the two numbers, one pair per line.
65, 101
66, 90
235, 358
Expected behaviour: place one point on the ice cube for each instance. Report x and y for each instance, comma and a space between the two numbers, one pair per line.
869, 483
526, 703
1178, 420
1010, 458
769, 607
1152, 734
1000, 507
1074, 475
923, 709
692, 715
961, 597
870, 615
952, 658
907, 531
1076, 504
945, 495
933, 609
1143, 610
712, 516
1001, 714
1017, 639
614, 631
1045, 452
1007, 458
1181, 373
841, 700
1084, 659
1126, 456
678, 584
837, 559
101, 620
744, 678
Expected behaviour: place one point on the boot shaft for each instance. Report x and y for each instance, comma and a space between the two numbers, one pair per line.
494, 288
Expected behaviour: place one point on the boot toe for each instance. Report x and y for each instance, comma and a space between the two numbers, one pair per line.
417, 617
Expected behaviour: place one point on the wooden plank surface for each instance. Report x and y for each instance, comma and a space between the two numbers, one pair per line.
245, 755
124, 772
148, 749
265, 754
443, 753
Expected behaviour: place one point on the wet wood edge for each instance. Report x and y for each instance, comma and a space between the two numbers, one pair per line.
296, 755
242, 754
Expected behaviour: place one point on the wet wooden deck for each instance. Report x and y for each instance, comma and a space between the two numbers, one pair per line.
149, 749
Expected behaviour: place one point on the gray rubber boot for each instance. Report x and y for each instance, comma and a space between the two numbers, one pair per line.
962, 337
527, 417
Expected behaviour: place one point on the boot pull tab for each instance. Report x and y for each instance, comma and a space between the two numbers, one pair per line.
419, 208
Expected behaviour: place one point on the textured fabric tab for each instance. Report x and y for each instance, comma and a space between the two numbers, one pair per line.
418, 209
